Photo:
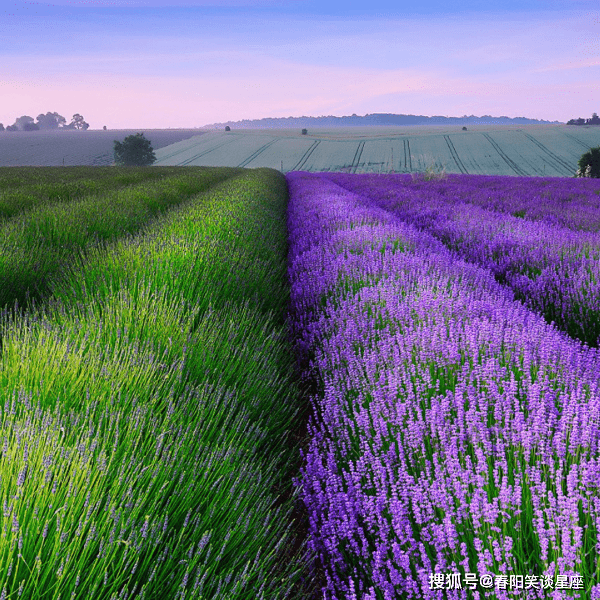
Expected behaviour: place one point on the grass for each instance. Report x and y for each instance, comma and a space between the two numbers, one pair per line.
38, 243
148, 413
60, 185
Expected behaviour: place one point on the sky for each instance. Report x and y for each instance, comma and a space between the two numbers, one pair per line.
133, 64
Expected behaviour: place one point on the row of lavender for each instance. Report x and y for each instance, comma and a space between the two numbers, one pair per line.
455, 434
568, 202
554, 270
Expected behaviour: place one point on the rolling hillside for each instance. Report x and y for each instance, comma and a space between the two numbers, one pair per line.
524, 150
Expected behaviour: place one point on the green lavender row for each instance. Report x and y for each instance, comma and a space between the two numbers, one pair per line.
36, 245
23, 189
145, 413
13, 177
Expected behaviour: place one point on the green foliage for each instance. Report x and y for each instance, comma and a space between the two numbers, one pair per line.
160, 357
432, 173
589, 164
135, 151
66, 220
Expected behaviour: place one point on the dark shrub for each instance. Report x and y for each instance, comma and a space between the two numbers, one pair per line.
135, 151
304, 132
589, 164
227, 128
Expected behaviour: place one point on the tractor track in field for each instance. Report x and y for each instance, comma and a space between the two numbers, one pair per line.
256, 153
454, 153
306, 156
577, 140
357, 155
189, 160
407, 157
506, 159
557, 159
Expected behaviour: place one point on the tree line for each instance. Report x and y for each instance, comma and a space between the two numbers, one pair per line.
595, 120
49, 121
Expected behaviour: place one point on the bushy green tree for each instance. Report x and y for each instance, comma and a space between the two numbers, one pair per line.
589, 164
135, 151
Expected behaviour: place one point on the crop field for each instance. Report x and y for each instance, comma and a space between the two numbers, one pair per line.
148, 405
455, 431
76, 148
227, 382
527, 150
518, 151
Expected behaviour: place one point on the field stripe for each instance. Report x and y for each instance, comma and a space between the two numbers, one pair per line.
306, 156
557, 159
256, 153
506, 159
454, 154
190, 160
586, 146
407, 163
181, 151
357, 155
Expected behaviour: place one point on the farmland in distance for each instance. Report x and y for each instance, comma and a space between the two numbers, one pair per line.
520, 151
91, 148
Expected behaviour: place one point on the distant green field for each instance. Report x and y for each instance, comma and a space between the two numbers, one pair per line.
524, 150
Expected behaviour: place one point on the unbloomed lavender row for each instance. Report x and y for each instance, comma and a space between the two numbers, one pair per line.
453, 431
553, 269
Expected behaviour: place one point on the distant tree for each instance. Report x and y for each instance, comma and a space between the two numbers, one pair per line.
579, 121
464, 128
304, 132
595, 120
104, 128
135, 151
51, 121
12, 128
227, 128
19, 124
589, 164
1, 127
78, 122
30, 127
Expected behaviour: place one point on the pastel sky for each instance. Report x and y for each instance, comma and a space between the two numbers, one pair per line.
130, 64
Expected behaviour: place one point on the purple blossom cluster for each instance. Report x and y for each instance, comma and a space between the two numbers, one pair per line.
453, 429
554, 270
564, 201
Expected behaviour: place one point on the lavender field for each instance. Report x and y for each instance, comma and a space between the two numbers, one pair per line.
455, 428
234, 383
